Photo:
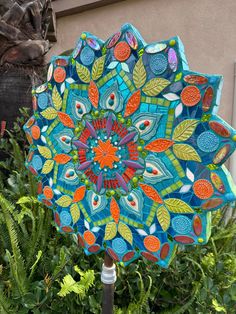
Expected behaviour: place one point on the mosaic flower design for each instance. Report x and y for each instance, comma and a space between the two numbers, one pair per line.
105, 154
127, 147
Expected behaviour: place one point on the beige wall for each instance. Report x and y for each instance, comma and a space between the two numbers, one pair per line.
206, 27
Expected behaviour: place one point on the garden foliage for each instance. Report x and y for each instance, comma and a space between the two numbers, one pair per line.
42, 271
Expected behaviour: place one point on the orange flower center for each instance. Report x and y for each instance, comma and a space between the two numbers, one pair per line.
105, 154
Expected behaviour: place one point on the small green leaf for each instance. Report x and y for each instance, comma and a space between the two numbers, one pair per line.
110, 231
184, 130
163, 217
186, 152
125, 232
139, 74
50, 113
218, 307
98, 67
176, 205
155, 86
56, 98
47, 167
44, 151
64, 201
83, 72
75, 212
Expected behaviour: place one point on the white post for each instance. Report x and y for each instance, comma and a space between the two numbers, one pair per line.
108, 275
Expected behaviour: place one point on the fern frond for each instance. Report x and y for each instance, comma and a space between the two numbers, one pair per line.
32, 184
144, 301
47, 228
62, 262
17, 269
186, 306
5, 304
28, 200
38, 256
5, 238
18, 155
117, 310
87, 278
144, 295
133, 308
32, 208
69, 285
38, 230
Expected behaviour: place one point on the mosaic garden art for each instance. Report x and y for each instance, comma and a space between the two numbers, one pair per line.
128, 148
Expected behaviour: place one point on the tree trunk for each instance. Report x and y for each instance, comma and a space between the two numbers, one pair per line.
23, 44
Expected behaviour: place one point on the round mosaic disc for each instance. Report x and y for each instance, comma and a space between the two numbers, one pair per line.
87, 56
59, 74
208, 141
158, 63
43, 100
37, 162
190, 96
35, 131
89, 237
151, 243
119, 246
48, 192
65, 218
203, 189
182, 224
122, 51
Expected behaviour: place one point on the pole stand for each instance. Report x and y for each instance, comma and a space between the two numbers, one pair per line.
108, 275
108, 278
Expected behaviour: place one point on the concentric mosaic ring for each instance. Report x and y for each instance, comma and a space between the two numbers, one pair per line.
127, 147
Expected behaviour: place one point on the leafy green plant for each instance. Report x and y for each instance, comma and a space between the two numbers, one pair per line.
42, 271
70, 285
33, 258
140, 305
15, 180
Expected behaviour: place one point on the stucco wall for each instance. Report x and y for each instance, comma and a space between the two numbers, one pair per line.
207, 28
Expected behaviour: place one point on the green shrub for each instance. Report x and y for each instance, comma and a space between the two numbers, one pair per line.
42, 271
